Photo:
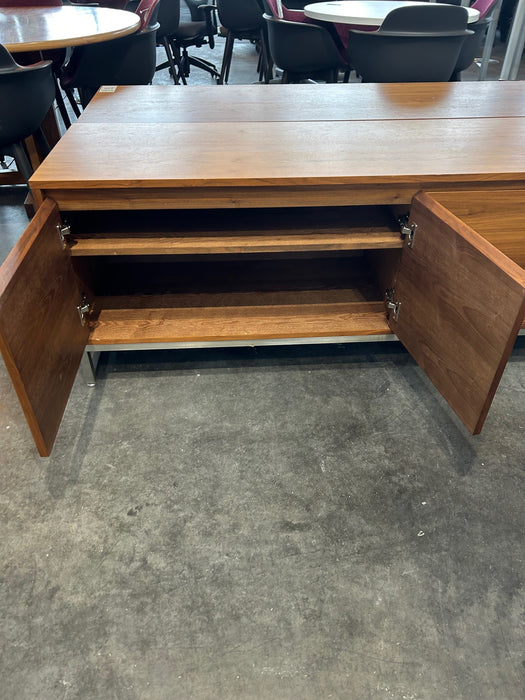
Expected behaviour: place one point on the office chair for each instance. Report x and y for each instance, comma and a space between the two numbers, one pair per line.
472, 47
129, 60
57, 56
481, 42
243, 19
304, 51
27, 95
177, 37
414, 44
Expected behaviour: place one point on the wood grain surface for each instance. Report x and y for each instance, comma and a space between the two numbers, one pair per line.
254, 150
41, 338
497, 215
234, 231
462, 304
170, 319
142, 104
307, 155
45, 28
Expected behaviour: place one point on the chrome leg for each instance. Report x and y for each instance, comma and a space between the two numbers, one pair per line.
88, 367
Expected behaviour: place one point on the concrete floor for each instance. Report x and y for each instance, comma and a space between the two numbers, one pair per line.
262, 523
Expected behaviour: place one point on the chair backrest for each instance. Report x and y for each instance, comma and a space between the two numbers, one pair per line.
27, 95
298, 47
196, 14
240, 15
433, 18
168, 16
147, 10
420, 43
471, 47
129, 60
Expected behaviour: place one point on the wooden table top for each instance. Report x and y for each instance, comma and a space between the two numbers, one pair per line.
363, 12
43, 28
157, 104
265, 137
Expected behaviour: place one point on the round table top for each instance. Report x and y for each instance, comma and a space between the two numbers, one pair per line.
42, 28
366, 12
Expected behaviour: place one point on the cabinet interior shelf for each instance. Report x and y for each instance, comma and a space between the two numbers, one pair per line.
234, 231
168, 319
203, 299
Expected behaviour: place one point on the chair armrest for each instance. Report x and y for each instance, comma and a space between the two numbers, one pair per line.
209, 11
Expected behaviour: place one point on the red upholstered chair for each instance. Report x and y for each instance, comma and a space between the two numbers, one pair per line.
277, 9
147, 11
484, 7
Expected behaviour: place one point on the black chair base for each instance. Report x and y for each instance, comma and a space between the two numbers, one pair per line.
260, 41
201, 63
179, 62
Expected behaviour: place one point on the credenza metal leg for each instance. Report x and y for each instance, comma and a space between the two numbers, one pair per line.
88, 367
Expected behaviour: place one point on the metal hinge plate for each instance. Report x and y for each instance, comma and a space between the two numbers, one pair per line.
408, 229
64, 231
84, 308
393, 307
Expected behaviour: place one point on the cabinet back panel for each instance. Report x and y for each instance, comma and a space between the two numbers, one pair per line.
249, 274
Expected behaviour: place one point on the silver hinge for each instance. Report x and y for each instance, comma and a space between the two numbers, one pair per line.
407, 229
83, 309
64, 230
392, 305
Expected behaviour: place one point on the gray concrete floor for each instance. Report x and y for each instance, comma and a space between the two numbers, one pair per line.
262, 523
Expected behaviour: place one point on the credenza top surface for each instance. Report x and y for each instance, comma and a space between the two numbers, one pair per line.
304, 135
140, 104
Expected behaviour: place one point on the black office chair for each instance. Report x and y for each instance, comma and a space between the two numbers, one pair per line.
130, 60
57, 56
414, 44
304, 51
472, 47
243, 19
27, 93
178, 36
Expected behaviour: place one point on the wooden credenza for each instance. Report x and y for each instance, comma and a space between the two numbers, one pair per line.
229, 215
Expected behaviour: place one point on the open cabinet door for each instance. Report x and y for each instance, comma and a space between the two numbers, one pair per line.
457, 305
41, 335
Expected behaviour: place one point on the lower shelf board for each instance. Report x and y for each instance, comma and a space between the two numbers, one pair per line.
159, 324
